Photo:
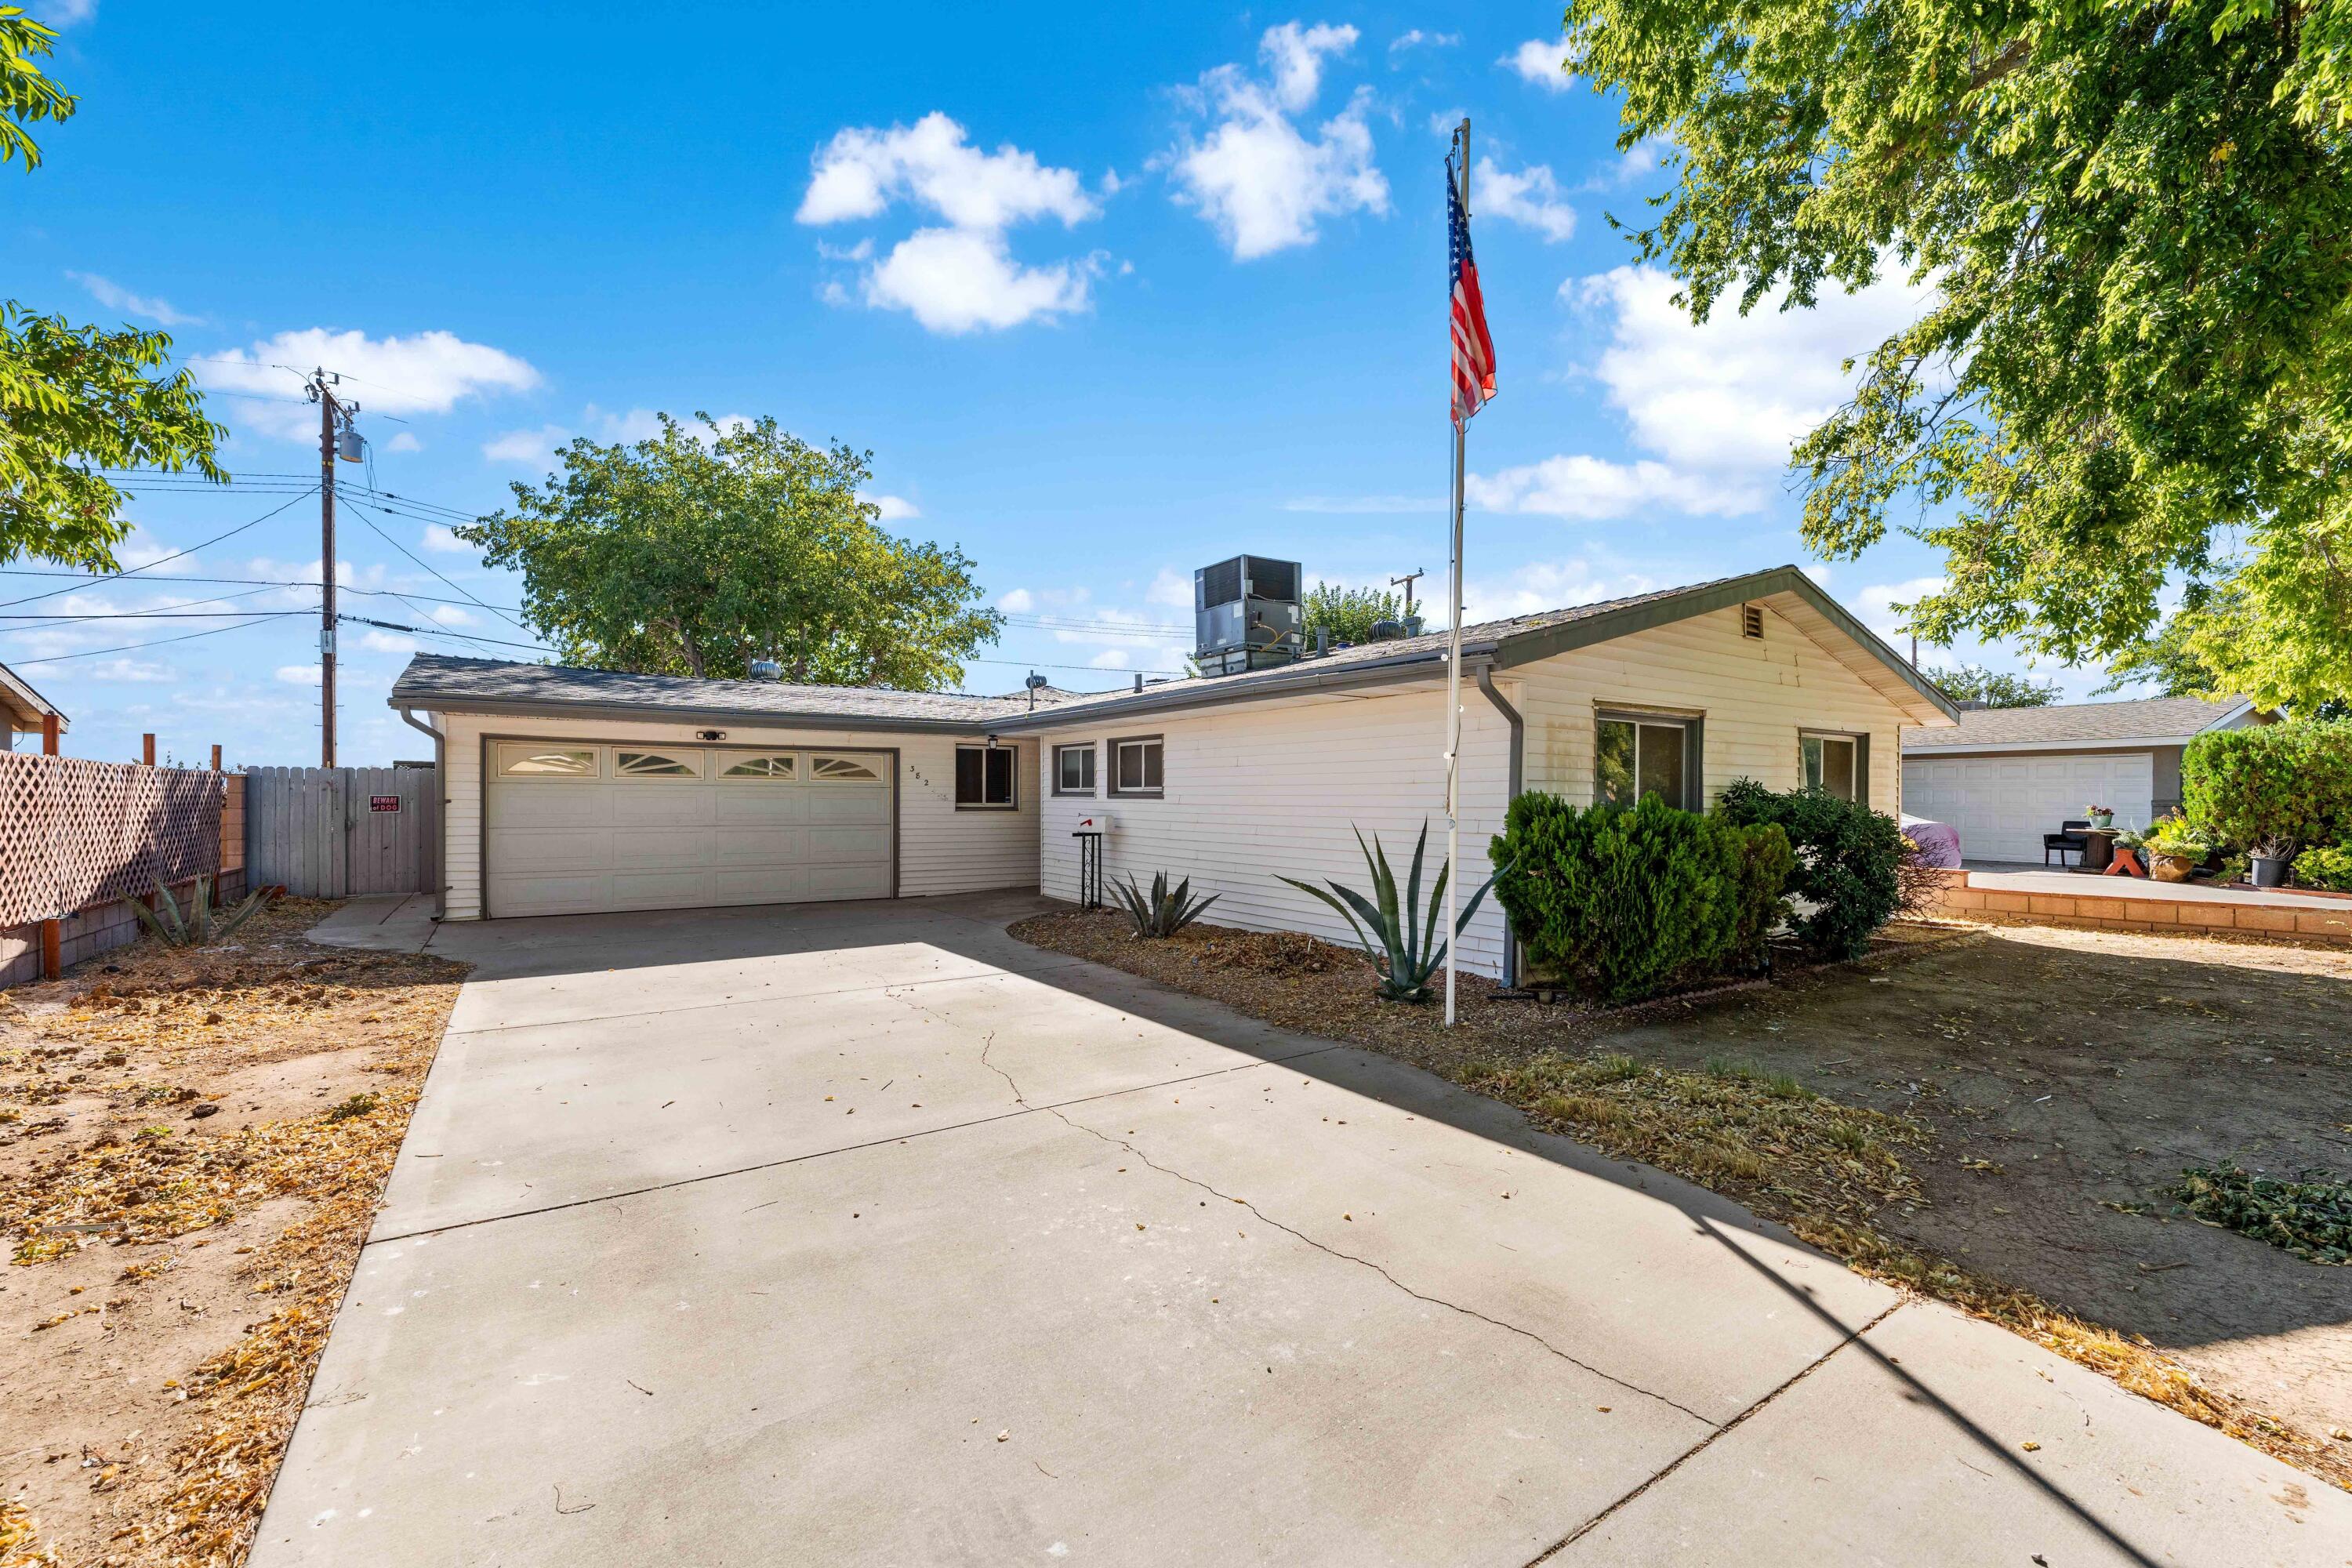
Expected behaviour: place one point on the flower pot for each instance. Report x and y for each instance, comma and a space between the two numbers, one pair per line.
2265, 871
2103, 819
2171, 867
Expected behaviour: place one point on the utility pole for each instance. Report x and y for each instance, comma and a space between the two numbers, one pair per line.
1406, 583
329, 408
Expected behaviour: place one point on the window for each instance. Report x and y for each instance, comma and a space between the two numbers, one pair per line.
984, 776
1136, 766
636, 765
842, 770
1074, 769
1632, 757
1838, 763
522, 760
782, 767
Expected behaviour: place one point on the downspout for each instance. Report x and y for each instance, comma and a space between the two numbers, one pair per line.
1518, 755
441, 817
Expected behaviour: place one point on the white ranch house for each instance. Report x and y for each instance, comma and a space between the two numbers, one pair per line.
584, 791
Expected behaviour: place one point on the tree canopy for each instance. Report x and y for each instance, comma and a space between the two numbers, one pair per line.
684, 554
1346, 614
74, 399
1993, 687
2131, 370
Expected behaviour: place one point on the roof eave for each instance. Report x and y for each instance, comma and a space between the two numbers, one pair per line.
2090, 744
640, 712
1305, 678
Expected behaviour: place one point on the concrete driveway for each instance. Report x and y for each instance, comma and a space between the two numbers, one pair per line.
864, 1234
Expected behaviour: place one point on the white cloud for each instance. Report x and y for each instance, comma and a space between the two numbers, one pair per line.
1109, 659
528, 449
375, 641
1532, 197
960, 278
446, 541
1019, 602
1256, 176
451, 616
114, 297
1169, 586
1586, 489
1738, 390
1545, 586
957, 280
1415, 38
1541, 62
862, 169
430, 372
299, 673
1294, 57
1356, 505
1876, 605
403, 442
131, 670
892, 509
68, 13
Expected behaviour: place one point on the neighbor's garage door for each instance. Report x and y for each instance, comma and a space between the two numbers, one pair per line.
2003, 806
573, 827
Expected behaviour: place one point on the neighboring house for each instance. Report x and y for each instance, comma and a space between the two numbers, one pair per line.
574, 790
25, 710
2005, 776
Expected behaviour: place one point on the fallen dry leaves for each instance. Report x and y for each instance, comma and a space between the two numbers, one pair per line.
139, 1041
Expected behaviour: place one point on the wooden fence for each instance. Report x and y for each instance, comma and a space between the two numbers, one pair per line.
333, 833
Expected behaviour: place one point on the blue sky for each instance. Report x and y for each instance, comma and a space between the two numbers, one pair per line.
1109, 294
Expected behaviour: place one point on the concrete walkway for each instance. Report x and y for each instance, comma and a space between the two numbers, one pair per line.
863, 1233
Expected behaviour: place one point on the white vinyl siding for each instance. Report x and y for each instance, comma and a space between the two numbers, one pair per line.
941, 849
1260, 788
1752, 699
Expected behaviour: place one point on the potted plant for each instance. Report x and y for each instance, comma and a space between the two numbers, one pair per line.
2100, 816
2266, 865
2176, 849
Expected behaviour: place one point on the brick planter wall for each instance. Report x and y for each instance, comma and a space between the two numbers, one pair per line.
2131, 909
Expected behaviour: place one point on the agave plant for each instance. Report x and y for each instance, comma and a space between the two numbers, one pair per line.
197, 925
1162, 911
1407, 951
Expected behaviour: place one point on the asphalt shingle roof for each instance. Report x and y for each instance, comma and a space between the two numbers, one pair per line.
444, 682
2147, 717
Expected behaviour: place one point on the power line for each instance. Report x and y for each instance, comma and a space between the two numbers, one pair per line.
412, 556
257, 582
442, 632
175, 555
159, 642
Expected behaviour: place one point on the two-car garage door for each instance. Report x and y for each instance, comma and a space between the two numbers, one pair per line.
2003, 804
573, 827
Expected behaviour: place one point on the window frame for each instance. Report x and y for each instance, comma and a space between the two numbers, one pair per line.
1694, 729
596, 754
1858, 739
1012, 755
1117, 791
1085, 749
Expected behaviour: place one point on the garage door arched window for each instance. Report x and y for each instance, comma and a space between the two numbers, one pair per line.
825, 769
780, 767
524, 760
629, 762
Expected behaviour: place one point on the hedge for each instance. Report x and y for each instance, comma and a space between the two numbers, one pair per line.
1849, 861
2286, 784
1625, 901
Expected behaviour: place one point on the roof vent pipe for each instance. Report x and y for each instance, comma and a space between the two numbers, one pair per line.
767, 670
1138, 680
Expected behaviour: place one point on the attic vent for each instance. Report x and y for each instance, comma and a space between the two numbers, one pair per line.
1751, 621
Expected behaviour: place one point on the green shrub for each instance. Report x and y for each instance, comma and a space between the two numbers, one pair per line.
2274, 785
1624, 900
1849, 860
2326, 868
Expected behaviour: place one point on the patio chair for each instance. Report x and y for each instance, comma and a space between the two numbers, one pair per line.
2071, 837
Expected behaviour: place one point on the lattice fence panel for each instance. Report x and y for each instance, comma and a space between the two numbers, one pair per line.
75, 832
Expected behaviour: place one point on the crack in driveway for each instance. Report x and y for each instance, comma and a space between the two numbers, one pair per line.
989, 1043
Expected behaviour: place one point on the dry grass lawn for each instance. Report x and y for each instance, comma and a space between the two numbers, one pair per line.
1990, 1117
192, 1145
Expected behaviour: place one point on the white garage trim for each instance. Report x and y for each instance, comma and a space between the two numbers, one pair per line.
710, 773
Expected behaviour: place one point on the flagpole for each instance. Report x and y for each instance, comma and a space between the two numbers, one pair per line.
1453, 640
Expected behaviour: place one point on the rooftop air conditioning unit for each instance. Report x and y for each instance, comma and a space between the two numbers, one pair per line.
1247, 614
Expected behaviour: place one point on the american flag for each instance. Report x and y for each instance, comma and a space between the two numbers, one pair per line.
1474, 351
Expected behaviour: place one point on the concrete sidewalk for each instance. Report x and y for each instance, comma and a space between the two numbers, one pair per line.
868, 1233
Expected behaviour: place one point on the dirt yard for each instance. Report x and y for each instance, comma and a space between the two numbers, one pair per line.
191, 1148
1991, 1115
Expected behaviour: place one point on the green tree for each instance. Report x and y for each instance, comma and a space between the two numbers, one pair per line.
1346, 613
680, 555
1993, 687
2133, 361
74, 399
2185, 655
